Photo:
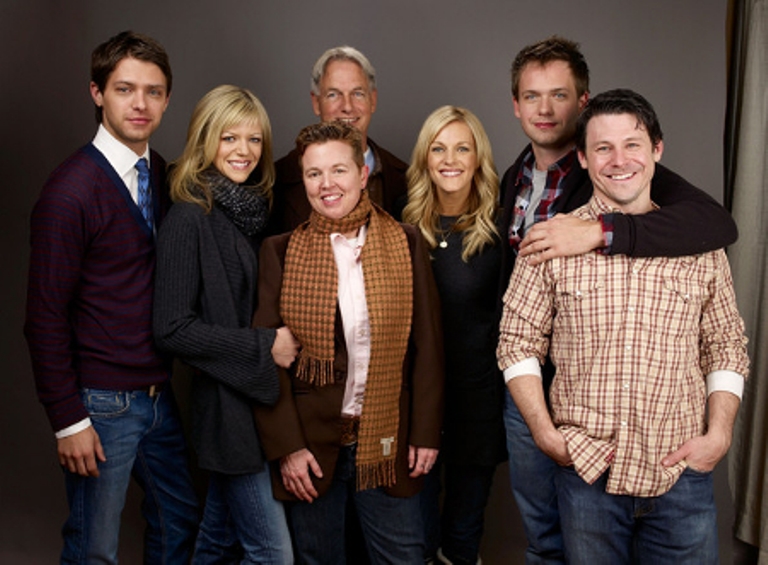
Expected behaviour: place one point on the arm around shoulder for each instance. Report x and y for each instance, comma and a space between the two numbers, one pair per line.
688, 222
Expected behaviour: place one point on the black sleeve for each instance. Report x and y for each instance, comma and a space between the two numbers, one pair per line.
688, 222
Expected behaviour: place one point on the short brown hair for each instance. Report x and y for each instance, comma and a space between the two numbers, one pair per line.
554, 48
106, 56
331, 131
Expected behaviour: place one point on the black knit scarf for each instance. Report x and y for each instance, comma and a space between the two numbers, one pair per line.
245, 205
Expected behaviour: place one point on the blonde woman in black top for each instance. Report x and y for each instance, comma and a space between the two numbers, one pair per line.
452, 198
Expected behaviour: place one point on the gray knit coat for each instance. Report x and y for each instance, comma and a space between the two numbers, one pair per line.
205, 296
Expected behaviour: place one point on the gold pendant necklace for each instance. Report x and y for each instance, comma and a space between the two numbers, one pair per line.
445, 233
444, 237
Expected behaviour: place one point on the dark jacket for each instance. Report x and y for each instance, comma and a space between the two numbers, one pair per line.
308, 417
205, 295
290, 208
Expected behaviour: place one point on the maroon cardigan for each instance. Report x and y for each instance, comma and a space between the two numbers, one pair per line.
90, 291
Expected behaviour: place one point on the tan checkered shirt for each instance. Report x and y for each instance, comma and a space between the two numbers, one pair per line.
632, 340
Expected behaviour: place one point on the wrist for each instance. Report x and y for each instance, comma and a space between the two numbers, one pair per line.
719, 439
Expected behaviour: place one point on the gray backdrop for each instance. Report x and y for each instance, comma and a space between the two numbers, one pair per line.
426, 53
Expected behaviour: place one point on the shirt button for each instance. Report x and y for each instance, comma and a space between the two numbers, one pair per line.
628, 347
631, 308
623, 423
625, 386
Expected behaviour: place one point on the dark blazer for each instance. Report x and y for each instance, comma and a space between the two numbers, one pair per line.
290, 208
308, 417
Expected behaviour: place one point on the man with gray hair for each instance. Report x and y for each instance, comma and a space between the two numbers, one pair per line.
343, 88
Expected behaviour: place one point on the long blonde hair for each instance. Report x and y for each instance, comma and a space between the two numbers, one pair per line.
223, 107
478, 222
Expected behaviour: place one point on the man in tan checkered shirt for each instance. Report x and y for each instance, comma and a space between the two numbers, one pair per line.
651, 359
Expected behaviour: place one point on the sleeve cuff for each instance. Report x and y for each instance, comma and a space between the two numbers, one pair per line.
606, 222
529, 366
725, 381
73, 429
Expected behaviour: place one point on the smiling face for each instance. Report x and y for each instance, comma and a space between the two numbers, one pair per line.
548, 107
332, 179
239, 151
133, 102
345, 95
452, 162
621, 160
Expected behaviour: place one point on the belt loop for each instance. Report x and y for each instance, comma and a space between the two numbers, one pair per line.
152, 391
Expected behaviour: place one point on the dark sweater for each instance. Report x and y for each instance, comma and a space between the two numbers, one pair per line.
474, 387
89, 301
205, 295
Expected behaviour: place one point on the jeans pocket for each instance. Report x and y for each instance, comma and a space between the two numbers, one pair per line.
696, 473
105, 403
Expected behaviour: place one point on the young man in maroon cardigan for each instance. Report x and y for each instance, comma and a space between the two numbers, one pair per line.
89, 317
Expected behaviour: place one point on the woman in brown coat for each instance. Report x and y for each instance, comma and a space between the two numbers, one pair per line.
360, 412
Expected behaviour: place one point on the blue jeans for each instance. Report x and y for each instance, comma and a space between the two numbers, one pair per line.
141, 437
676, 528
240, 510
459, 528
532, 477
391, 526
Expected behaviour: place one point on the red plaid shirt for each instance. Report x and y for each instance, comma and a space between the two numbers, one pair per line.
552, 190
632, 340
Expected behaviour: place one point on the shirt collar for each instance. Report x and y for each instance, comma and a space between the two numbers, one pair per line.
338, 238
597, 207
122, 159
564, 164
370, 159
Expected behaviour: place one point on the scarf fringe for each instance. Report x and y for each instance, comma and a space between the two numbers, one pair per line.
318, 372
378, 474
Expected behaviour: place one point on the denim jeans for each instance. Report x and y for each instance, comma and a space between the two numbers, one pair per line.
458, 529
240, 510
391, 526
676, 528
532, 477
141, 437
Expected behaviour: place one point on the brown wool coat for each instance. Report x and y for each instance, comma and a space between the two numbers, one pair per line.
308, 417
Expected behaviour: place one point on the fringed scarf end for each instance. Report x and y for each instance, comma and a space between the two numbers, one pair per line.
378, 474
317, 372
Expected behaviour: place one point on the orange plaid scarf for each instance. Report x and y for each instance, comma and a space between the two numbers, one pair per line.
308, 306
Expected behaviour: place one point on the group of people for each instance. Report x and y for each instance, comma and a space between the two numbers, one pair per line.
350, 323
